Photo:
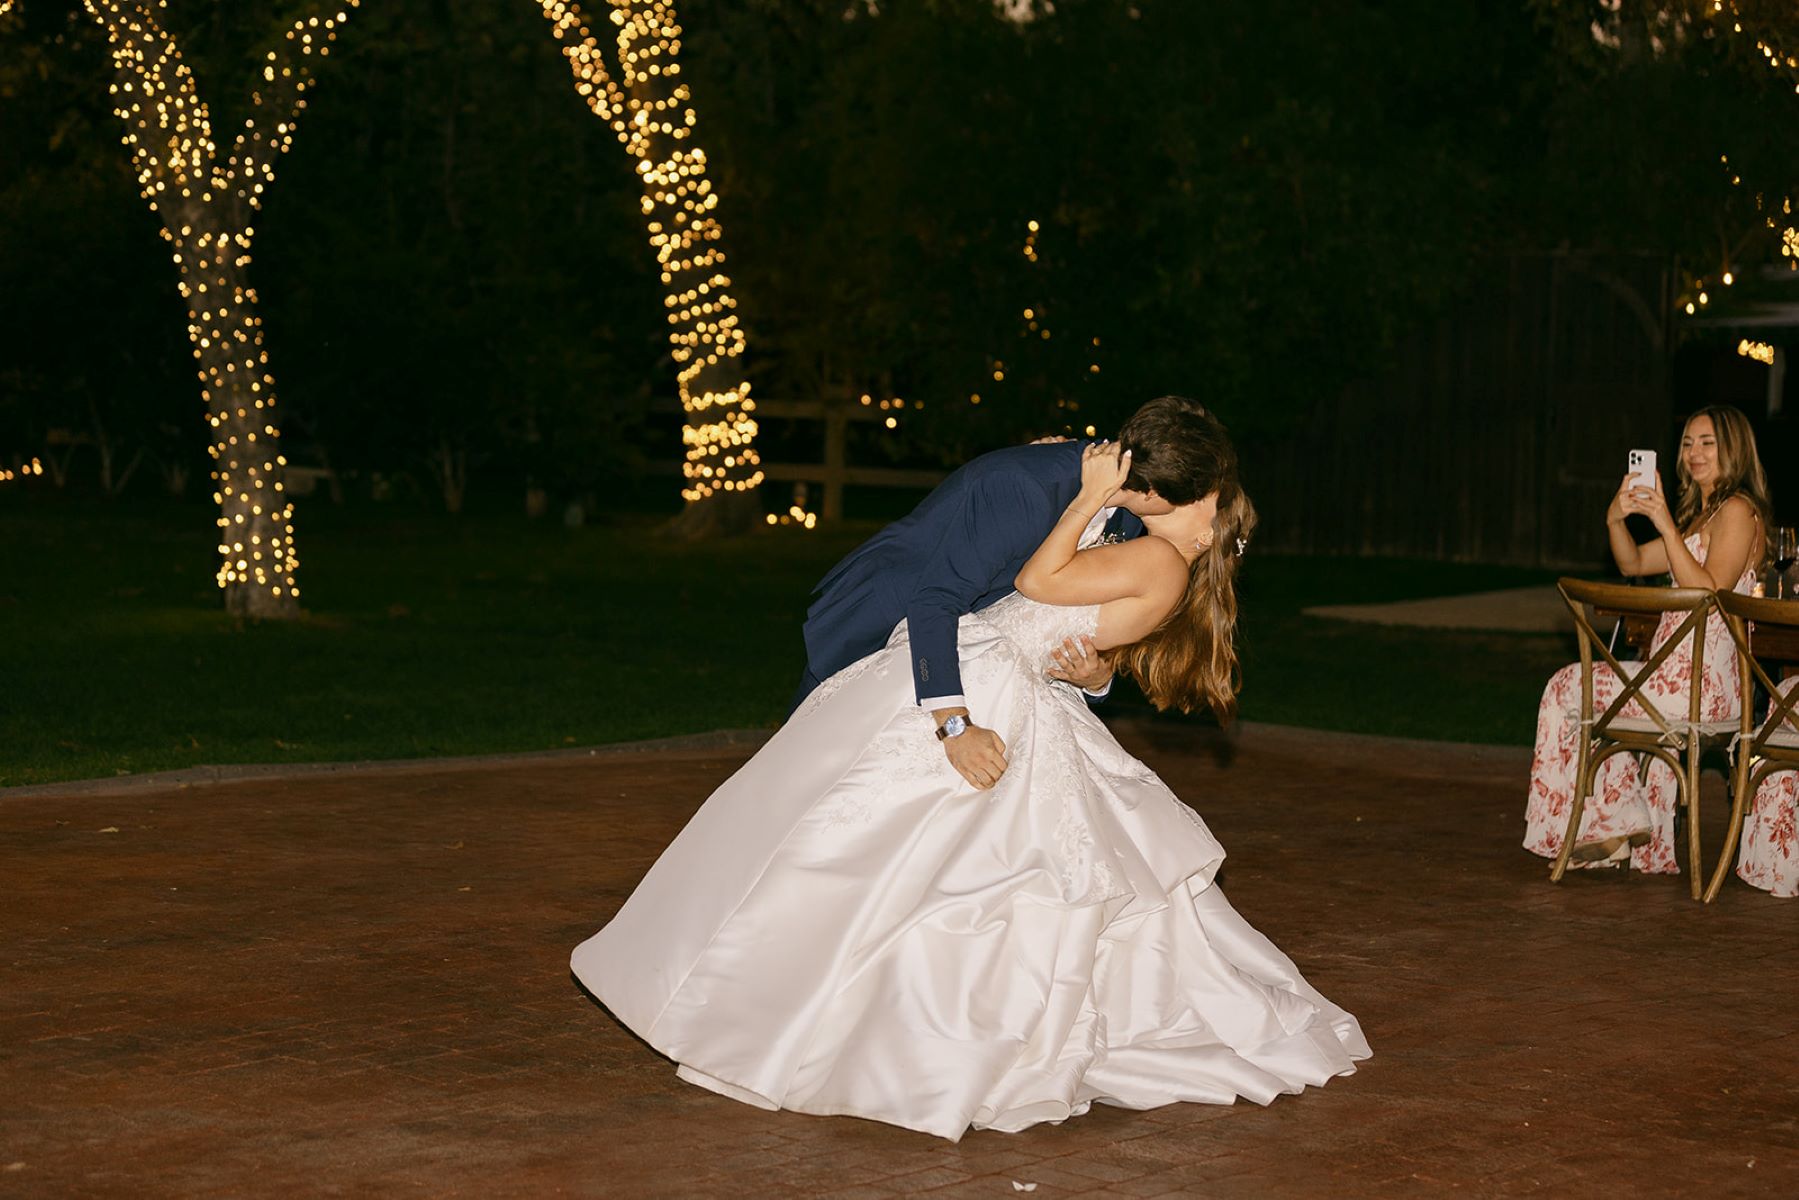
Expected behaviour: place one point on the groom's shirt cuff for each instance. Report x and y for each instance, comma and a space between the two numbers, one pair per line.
1101, 693
935, 702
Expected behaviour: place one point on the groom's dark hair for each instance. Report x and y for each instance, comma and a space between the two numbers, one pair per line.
1179, 450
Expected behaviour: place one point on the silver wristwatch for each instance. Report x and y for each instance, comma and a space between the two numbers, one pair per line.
952, 727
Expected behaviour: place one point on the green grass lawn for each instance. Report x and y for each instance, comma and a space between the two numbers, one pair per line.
433, 635
1363, 678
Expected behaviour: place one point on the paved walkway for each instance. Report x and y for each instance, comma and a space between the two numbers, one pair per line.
356, 984
1516, 610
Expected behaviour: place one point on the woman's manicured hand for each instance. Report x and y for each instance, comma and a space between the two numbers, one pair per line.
1104, 468
1649, 502
1615, 512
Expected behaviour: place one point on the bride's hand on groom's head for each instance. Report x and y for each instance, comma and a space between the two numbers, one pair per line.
1104, 468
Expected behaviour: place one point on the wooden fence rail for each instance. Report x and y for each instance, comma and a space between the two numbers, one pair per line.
834, 473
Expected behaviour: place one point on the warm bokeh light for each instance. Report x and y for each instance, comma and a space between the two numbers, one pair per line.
647, 104
25, 470
1761, 352
206, 198
1696, 296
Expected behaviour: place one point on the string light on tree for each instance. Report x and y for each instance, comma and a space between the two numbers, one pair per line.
27, 470
206, 197
797, 516
1696, 296
650, 108
1761, 352
1036, 328
893, 405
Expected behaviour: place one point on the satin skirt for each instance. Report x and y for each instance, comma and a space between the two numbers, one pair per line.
846, 927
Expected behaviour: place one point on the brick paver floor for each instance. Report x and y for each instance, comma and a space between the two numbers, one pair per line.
357, 984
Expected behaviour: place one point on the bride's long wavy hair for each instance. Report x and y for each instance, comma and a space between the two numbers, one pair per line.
1190, 660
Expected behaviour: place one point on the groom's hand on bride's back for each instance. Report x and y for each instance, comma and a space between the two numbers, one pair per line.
1081, 664
978, 754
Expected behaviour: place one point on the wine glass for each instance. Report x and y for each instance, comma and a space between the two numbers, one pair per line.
1785, 551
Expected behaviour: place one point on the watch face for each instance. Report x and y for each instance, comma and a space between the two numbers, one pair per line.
955, 727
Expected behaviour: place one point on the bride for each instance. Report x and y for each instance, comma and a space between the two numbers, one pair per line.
849, 927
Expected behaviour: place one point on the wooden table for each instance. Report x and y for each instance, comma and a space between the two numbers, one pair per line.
1775, 644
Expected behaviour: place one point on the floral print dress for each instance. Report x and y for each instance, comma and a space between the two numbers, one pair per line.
1768, 855
1626, 802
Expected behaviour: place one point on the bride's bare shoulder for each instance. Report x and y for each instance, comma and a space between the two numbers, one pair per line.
1150, 577
1154, 563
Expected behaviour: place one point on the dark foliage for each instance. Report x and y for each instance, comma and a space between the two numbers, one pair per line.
1247, 203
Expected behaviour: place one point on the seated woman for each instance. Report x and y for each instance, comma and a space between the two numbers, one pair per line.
1768, 855
1713, 539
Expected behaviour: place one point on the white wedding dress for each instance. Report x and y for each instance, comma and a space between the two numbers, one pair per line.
848, 927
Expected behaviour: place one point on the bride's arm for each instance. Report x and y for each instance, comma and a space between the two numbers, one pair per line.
1142, 579
1144, 568
1103, 471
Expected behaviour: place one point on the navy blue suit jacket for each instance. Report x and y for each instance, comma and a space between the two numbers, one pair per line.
956, 553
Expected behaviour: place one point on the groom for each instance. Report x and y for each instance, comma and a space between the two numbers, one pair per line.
962, 547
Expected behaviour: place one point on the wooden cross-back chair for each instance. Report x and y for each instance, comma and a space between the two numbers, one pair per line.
1774, 745
1677, 739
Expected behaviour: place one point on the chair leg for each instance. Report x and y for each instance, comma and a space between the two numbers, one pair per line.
1582, 784
1695, 865
1739, 805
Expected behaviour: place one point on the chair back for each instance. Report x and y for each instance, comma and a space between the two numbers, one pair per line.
1741, 615
1697, 603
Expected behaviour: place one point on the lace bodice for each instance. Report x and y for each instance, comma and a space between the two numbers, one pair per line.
1027, 632
1036, 629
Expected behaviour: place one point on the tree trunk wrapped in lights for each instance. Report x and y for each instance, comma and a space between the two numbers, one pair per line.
650, 108
206, 201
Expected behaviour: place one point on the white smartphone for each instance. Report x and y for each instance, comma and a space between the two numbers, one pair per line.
1642, 465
